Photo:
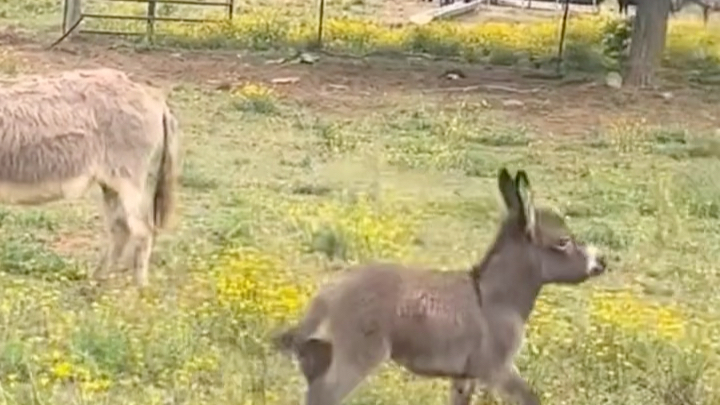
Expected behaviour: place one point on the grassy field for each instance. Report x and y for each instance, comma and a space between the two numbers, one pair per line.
282, 185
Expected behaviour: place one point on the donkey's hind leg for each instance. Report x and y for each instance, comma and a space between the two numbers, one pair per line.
346, 370
117, 230
139, 223
514, 387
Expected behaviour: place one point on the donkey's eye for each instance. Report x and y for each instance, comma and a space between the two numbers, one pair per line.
564, 244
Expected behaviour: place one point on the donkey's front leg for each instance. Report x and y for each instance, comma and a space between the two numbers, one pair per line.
461, 391
511, 385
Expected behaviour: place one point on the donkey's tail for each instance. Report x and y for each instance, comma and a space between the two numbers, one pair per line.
164, 198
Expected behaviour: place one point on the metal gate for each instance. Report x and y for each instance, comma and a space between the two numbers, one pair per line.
73, 15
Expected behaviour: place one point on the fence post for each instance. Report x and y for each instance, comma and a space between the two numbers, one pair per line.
321, 23
71, 14
151, 20
561, 42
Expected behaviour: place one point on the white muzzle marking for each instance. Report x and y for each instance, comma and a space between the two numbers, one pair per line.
591, 256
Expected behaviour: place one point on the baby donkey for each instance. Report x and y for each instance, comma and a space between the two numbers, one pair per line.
463, 325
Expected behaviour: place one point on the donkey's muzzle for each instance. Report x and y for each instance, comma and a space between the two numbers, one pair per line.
599, 266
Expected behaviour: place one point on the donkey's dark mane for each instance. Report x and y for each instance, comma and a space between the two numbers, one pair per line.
508, 230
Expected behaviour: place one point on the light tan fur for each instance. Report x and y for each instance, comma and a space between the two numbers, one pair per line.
463, 325
64, 132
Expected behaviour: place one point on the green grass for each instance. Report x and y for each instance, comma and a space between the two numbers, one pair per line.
32, 14
273, 196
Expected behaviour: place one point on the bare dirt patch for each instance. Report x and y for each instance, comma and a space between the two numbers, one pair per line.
356, 85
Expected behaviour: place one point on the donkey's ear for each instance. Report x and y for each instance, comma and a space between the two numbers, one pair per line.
524, 195
508, 190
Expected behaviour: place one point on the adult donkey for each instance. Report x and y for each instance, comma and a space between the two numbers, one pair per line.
462, 325
62, 133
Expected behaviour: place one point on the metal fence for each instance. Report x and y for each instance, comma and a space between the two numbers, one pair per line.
73, 16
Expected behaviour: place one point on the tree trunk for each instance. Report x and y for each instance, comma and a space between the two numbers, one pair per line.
648, 42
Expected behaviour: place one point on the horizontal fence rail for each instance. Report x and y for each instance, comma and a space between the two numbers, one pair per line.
73, 16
